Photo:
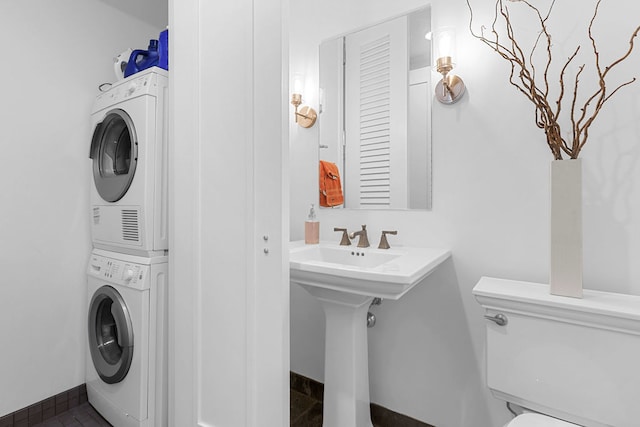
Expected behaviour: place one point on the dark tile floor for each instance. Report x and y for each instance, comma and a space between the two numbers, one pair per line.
305, 411
80, 416
306, 407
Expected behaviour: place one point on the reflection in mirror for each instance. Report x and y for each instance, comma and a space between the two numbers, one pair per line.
375, 113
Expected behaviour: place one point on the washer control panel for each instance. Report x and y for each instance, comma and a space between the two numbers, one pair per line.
118, 272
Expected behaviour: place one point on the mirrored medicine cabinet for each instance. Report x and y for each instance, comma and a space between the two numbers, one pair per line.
375, 112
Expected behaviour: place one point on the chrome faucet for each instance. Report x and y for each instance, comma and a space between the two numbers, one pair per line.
363, 242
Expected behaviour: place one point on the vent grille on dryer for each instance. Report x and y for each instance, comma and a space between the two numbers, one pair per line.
130, 230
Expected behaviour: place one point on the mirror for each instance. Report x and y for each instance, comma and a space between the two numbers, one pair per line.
375, 114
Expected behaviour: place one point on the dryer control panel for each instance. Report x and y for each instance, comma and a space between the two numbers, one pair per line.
148, 82
119, 272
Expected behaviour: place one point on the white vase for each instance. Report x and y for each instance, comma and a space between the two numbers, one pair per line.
565, 274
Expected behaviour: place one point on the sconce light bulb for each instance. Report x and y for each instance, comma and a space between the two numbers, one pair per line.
298, 83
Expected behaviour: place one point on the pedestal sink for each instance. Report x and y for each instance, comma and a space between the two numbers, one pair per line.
345, 279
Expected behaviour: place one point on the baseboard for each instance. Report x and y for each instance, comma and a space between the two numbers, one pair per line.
47, 408
380, 416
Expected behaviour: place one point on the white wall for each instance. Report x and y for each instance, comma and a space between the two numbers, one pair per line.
55, 54
490, 203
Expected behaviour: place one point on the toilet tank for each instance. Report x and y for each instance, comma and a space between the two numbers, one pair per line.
574, 359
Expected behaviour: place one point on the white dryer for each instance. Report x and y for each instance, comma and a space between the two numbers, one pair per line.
129, 154
126, 365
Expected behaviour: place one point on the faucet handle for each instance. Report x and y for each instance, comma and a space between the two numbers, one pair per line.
345, 236
384, 244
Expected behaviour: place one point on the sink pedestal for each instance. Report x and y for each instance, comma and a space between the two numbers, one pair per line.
346, 363
345, 280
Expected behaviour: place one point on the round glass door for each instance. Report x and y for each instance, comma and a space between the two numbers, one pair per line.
114, 150
110, 335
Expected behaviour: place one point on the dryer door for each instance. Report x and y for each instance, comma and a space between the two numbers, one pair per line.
114, 150
110, 335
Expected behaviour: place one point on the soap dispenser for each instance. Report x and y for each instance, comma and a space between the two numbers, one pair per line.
312, 228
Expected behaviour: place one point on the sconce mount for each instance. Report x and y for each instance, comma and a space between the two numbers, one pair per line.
306, 116
449, 89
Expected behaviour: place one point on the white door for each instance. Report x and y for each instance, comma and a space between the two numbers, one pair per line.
376, 74
228, 252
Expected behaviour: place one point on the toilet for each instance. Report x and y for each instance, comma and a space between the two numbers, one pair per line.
565, 361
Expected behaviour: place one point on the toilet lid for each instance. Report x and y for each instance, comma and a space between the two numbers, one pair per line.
537, 420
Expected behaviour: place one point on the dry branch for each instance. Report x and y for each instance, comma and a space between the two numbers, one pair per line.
536, 88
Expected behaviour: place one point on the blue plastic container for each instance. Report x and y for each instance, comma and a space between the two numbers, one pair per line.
143, 59
163, 50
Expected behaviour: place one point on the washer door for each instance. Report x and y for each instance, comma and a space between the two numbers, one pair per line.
110, 335
114, 150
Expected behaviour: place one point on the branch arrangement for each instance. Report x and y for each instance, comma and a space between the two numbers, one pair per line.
533, 82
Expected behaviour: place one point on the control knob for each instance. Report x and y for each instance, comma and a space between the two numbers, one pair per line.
128, 275
132, 88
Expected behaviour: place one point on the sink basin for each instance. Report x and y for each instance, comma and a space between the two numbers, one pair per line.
383, 273
343, 256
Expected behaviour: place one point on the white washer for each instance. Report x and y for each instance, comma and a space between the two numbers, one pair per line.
126, 369
129, 154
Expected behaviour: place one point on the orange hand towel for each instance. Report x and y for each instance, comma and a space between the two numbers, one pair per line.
330, 186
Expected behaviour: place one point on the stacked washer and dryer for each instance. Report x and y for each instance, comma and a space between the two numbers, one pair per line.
126, 369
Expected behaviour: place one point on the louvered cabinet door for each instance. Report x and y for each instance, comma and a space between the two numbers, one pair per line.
376, 74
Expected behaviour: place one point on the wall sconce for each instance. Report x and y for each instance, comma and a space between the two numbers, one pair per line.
305, 116
451, 87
